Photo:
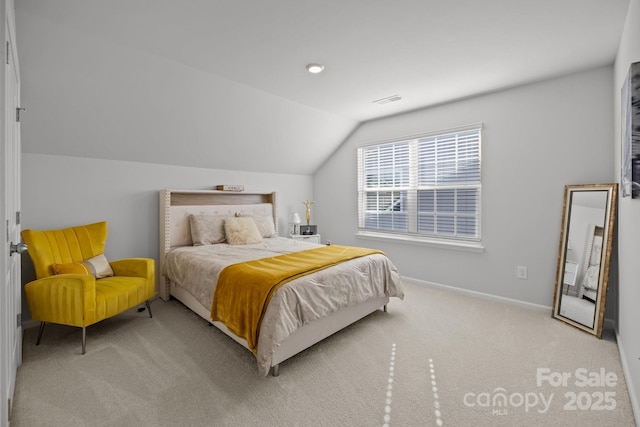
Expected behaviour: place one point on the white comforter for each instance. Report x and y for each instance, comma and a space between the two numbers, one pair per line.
318, 295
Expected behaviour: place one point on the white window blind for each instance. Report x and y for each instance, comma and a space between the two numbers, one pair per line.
427, 186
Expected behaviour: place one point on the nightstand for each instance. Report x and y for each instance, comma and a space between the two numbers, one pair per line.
309, 238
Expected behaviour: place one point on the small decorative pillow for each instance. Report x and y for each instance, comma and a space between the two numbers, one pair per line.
242, 231
207, 229
98, 267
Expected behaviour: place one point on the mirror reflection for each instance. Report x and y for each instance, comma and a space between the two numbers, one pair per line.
583, 261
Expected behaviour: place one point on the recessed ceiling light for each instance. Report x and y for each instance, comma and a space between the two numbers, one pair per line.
315, 68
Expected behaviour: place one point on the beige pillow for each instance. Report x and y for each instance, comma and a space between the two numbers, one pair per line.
265, 225
207, 229
241, 231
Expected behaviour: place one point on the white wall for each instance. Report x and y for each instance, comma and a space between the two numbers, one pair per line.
628, 268
536, 139
61, 191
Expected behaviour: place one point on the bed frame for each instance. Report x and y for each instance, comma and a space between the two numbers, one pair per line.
593, 231
175, 207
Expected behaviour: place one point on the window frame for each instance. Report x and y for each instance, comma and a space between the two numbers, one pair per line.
411, 192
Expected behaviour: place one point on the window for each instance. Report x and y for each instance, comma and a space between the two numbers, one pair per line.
425, 187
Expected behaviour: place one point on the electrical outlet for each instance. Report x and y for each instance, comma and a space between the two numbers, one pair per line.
521, 272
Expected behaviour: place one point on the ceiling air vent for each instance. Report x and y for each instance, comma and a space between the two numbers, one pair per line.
388, 99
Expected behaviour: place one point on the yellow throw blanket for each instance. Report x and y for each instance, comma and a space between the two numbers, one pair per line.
244, 290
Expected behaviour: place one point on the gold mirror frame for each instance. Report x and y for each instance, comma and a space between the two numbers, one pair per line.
584, 255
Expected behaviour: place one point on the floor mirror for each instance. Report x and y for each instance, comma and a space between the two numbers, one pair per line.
584, 255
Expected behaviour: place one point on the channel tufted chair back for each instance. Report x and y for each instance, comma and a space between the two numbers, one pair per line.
76, 285
64, 246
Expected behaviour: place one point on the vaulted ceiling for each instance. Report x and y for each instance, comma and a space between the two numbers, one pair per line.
428, 52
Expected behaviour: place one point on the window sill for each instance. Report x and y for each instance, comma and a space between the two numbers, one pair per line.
457, 245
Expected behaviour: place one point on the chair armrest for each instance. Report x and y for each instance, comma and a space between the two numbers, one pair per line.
69, 299
134, 267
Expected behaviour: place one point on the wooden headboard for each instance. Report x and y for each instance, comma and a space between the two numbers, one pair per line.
177, 205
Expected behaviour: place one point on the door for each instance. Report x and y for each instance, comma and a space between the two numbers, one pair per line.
10, 288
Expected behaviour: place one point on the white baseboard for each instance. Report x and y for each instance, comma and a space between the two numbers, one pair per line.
479, 294
633, 397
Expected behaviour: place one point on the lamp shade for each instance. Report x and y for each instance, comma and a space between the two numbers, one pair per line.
296, 218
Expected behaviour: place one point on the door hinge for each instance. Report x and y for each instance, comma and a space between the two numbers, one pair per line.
18, 218
18, 113
19, 316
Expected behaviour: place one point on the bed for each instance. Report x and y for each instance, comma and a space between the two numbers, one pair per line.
300, 313
591, 264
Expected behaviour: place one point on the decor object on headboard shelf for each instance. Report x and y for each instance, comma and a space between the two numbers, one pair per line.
630, 120
227, 187
584, 255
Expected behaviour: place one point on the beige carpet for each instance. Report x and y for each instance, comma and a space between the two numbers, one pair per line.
435, 359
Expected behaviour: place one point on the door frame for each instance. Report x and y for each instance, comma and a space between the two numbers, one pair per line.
10, 323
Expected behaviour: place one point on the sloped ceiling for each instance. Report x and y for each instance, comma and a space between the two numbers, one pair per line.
236, 91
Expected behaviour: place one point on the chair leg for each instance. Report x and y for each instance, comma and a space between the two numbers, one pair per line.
40, 333
148, 305
84, 340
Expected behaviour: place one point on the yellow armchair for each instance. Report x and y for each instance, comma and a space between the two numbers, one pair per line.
76, 285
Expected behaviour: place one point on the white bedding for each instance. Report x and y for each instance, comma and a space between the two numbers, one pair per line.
317, 295
590, 280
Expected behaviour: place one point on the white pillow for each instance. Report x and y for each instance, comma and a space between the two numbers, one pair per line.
100, 266
207, 229
591, 277
265, 225
242, 231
